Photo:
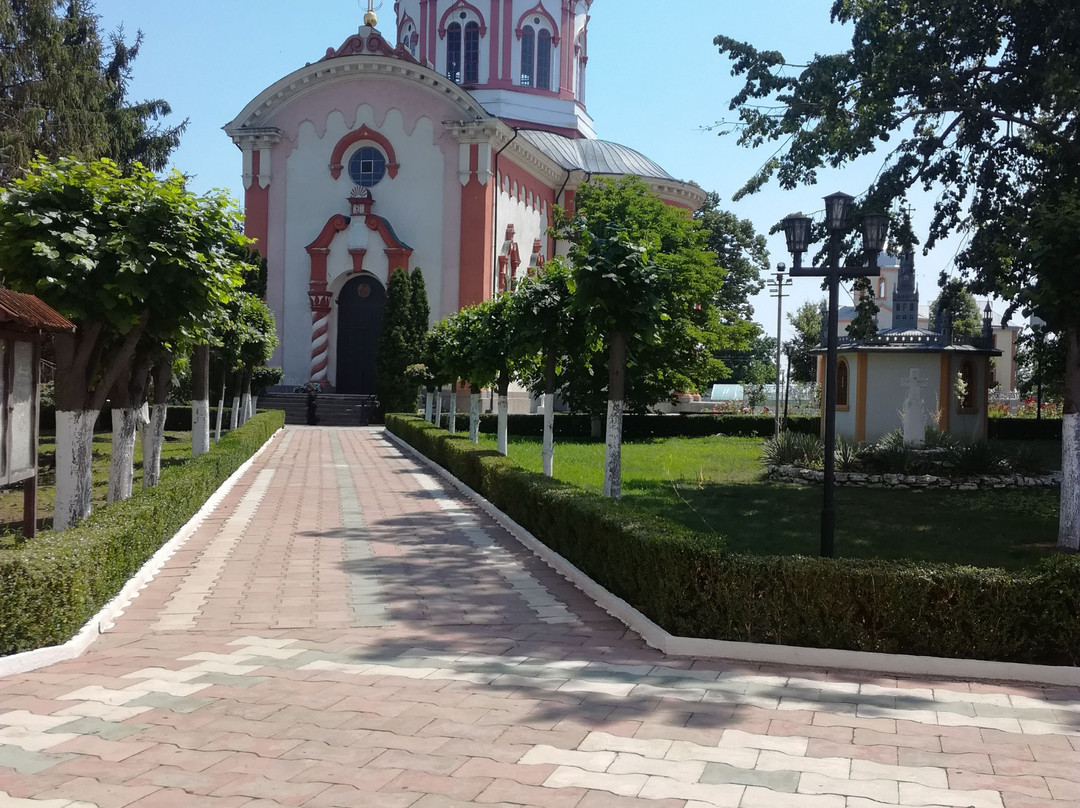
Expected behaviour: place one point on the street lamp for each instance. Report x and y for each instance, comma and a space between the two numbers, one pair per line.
797, 232
777, 290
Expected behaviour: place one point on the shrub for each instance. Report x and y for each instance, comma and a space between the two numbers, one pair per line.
50, 586
691, 586
649, 426
1027, 461
1024, 429
847, 454
980, 457
783, 450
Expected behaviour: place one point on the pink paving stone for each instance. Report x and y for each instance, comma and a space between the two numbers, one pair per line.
1030, 786
195, 782
340, 796
280, 791
103, 795
821, 748
111, 751
185, 759
1064, 789
516, 793
24, 786
457, 788
532, 775
178, 798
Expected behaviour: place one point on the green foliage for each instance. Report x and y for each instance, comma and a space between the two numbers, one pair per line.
264, 377
981, 457
706, 591
806, 320
793, 449
61, 96
642, 268
638, 427
485, 341
847, 454
397, 392
546, 326
740, 251
51, 586
123, 256
864, 325
756, 365
962, 309
419, 311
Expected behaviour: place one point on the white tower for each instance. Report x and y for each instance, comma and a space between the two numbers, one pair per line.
524, 60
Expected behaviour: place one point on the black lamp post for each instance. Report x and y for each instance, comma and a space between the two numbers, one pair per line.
797, 232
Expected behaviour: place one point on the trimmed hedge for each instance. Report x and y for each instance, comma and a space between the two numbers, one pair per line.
1024, 428
636, 427
52, 585
689, 584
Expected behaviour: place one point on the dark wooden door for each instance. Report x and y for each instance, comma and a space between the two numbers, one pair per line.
360, 314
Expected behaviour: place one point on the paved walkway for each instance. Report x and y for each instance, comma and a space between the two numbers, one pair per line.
345, 631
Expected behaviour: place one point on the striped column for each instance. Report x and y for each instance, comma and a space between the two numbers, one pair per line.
320, 328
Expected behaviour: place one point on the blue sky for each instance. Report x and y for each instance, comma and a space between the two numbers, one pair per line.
655, 83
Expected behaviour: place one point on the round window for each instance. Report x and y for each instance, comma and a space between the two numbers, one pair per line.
367, 167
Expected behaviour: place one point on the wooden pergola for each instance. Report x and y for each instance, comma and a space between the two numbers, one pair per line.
24, 320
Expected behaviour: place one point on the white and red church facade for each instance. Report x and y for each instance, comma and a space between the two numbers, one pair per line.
442, 142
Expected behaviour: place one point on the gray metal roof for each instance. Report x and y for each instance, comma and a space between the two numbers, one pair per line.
593, 156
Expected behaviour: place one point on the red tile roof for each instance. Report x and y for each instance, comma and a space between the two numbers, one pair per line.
27, 312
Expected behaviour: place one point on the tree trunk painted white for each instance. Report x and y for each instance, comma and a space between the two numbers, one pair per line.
121, 473
438, 408
548, 451
452, 426
254, 408
220, 413
1069, 520
234, 416
200, 400
613, 451
200, 427
245, 407
474, 418
504, 406
74, 481
155, 434
429, 405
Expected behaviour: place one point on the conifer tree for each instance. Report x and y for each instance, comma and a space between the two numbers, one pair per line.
419, 313
397, 393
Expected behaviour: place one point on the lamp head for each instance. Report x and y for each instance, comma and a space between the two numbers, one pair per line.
837, 208
797, 232
875, 229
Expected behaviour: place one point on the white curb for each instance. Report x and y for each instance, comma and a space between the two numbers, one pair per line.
655, 636
106, 618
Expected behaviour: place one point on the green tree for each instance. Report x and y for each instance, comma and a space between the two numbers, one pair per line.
740, 251
545, 327
419, 310
397, 391
754, 366
807, 321
981, 101
133, 261
485, 343
676, 350
864, 325
962, 309
60, 95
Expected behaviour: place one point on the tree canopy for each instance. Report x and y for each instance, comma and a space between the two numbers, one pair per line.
962, 309
740, 252
64, 94
806, 320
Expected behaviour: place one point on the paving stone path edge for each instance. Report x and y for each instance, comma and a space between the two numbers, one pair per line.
106, 617
829, 658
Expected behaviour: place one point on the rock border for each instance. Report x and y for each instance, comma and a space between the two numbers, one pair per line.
853, 479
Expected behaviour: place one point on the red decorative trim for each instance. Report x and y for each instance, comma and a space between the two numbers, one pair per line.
363, 133
379, 225
358, 258
401, 26
459, 5
373, 44
334, 225
539, 10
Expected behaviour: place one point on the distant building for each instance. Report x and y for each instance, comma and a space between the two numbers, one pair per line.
952, 376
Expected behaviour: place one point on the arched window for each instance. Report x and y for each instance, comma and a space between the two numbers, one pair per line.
528, 55
543, 59
842, 383
965, 387
472, 52
453, 52
881, 288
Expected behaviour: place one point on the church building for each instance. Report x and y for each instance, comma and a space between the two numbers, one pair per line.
440, 141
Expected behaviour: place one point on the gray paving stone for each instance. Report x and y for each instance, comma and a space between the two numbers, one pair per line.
24, 762
719, 773
240, 682
177, 704
109, 730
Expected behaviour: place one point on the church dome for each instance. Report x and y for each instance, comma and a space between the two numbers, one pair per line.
594, 156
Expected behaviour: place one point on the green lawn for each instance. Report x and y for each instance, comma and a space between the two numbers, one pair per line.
175, 449
714, 484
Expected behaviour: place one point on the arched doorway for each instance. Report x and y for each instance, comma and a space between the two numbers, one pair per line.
360, 314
